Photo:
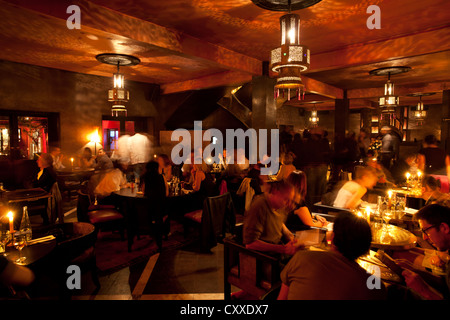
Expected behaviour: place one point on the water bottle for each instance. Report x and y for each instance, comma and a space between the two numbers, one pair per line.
25, 224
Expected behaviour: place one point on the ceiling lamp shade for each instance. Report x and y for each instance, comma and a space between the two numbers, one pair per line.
290, 58
118, 95
389, 101
314, 119
420, 113
420, 110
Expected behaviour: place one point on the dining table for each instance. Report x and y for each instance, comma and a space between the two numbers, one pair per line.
15, 200
35, 251
134, 206
24, 195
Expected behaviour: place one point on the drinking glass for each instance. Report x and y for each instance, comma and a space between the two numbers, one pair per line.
19, 243
4, 239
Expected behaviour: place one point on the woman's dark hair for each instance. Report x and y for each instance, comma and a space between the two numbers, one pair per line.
431, 182
434, 214
352, 235
430, 139
88, 150
152, 167
298, 180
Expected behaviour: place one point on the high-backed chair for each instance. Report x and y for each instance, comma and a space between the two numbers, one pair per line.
215, 220
254, 272
54, 207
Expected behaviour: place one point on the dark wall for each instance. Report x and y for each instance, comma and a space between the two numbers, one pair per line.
80, 99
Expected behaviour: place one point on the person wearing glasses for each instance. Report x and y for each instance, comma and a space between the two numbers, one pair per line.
434, 221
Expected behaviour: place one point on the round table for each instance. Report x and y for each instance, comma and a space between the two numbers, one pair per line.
34, 253
390, 237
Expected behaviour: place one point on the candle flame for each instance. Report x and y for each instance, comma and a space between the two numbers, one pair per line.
10, 215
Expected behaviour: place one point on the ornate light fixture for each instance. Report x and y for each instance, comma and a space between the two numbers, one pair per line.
118, 95
420, 111
291, 57
314, 119
389, 101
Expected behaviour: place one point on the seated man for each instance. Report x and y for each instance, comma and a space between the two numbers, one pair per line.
434, 221
333, 274
103, 161
350, 194
264, 229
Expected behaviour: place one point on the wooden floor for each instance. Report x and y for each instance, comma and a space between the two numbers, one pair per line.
181, 274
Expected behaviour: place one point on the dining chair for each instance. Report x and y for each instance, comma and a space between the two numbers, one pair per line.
54, 207
68, 182
254, 272
103, 217
216, 219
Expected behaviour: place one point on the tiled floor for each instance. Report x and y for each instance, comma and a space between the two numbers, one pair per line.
172, 275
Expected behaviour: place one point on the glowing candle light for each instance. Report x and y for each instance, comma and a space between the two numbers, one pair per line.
368, 215
419, 174
10, 215
408, 175
71, 160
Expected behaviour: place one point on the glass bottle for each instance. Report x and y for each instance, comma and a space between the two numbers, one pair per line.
25, 224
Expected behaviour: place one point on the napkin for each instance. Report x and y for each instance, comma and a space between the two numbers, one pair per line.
40, 240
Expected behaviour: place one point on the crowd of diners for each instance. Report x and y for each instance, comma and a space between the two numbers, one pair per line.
277, 206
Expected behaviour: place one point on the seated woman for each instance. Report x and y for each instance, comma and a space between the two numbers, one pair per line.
350, 194
286, 167
46, 177
87, 160
300, 218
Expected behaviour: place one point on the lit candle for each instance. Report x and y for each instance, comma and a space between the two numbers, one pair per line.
71, 160
408, 175
419, 173
10, 215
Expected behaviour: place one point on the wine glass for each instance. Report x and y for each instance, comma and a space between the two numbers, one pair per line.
19, 243
4, 239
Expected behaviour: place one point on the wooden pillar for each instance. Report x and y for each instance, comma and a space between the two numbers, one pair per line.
341, 117
264, 111
445, 126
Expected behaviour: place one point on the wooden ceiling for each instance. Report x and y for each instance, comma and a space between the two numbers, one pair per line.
196, 44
